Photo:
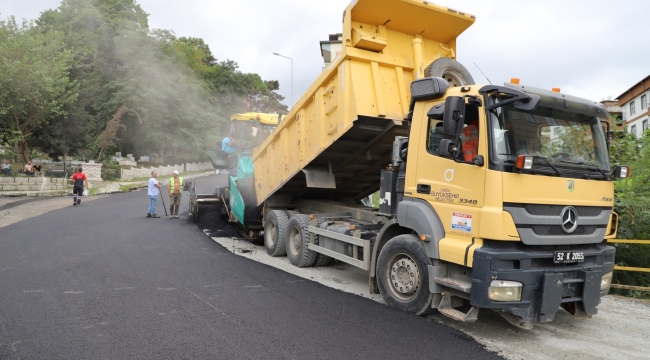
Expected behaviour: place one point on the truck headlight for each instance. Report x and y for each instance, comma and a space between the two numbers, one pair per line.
606, 281
502, 290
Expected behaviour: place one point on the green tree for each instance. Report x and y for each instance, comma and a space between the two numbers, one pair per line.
632, 204
34, 83
90, 28
182, 94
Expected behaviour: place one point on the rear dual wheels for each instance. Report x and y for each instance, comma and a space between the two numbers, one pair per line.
275, 230
321, 260
403, 275
298, 237
289, 236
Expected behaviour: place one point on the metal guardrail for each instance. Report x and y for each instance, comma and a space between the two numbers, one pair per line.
629, 268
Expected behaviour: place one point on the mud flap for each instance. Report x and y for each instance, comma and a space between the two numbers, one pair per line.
590, 290
551, 296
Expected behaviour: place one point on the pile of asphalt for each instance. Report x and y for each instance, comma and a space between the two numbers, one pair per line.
216, 226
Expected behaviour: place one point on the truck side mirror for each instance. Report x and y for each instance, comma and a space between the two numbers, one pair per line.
454, 113
446, 148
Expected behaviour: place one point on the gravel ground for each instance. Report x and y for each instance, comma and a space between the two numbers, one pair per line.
618, 331
110, 188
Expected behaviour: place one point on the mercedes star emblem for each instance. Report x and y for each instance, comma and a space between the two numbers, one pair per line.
569, 217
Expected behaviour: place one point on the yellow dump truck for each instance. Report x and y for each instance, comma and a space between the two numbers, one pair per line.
496, 197
251, 129
254, 118
254, 125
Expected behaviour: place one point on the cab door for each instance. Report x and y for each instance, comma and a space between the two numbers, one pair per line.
454, 188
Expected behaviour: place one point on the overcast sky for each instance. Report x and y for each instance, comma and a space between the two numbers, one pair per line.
593, 49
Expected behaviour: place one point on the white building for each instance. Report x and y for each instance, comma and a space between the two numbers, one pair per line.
634, 103
331, 48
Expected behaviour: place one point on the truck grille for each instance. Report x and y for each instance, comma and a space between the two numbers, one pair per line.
552, 210
541, 224
556, 230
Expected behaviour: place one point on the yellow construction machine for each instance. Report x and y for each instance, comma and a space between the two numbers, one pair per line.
491, 197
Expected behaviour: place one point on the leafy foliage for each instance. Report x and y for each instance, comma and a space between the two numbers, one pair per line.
179, 95
633, 206
33, 78
111, 171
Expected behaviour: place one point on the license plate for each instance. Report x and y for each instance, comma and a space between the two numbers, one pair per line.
568, 257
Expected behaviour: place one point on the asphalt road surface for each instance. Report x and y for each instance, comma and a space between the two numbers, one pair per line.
101, 281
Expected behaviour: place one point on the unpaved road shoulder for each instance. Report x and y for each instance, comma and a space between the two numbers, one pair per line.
618, 331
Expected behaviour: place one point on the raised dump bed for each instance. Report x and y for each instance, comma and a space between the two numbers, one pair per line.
340, 133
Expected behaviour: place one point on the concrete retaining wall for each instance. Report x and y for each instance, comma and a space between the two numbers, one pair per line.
93, 171
145, 172
32, 183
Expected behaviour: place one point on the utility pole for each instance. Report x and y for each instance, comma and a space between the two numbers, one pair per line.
286, 57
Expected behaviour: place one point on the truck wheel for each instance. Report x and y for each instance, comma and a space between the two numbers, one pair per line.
275, 228
297, 239
321, 260
403, 276
451, 70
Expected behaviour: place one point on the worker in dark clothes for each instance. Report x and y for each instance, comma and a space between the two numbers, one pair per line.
78, 179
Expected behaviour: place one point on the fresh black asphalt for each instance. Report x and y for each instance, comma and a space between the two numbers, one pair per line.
100, 281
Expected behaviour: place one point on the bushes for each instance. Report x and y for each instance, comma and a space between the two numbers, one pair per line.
111, 171
632, 204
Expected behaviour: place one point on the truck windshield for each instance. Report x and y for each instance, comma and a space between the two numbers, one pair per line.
564, 143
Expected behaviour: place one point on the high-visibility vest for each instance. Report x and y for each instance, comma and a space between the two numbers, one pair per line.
171, 185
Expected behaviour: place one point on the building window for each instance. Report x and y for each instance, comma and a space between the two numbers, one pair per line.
633, 129
644, 125
632, 111
644, 102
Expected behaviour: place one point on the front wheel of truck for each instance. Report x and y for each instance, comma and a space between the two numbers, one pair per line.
403, 276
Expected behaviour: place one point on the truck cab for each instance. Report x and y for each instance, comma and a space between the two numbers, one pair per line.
510, 189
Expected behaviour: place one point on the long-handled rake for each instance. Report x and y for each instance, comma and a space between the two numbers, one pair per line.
163, 201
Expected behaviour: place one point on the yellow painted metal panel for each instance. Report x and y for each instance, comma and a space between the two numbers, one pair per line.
453, 249
401, 87
378, 86
357, 84
478, 243
367, 37
292, 156
535, 189
413, 17
509, 226
363, 85
612, 226
457, 189
496, 224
